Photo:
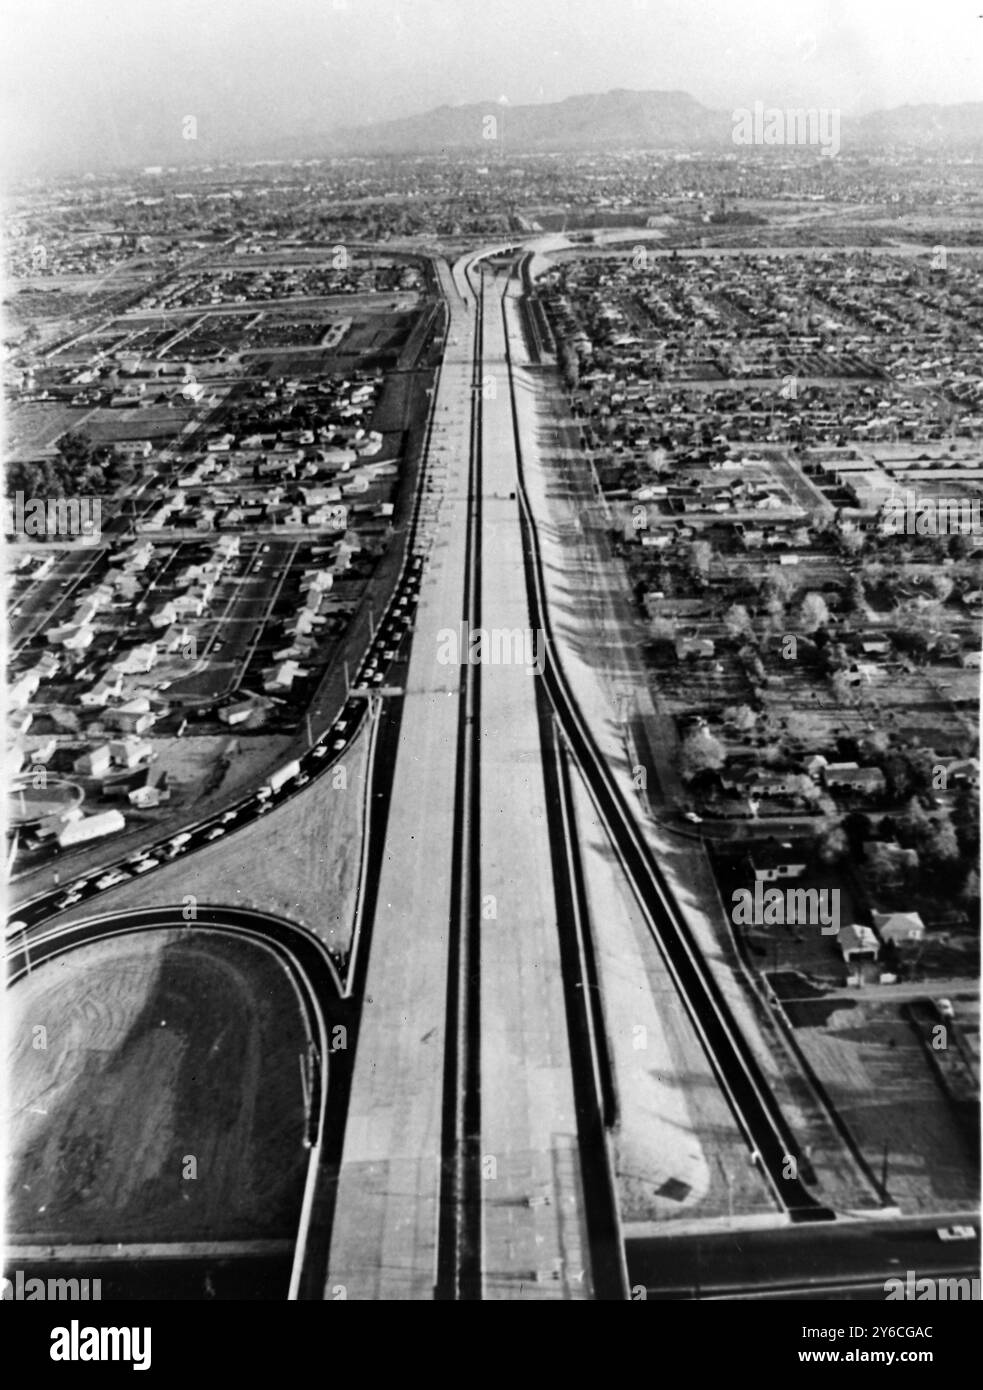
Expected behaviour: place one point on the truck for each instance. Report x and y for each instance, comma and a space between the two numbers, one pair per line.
279, 777
91, 828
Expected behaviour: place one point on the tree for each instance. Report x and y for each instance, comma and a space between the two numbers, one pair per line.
886, 866
843, 688
852, 541
700, 557
970, 891
737, 621
914, 822
942, 586
858, 828
832, 845
941, 846
570, 365
700, 752
76, 449
813, 612
778, 583
803, 786
897, 771
741, 717
856, 598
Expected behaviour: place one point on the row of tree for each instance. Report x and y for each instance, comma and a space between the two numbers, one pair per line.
79, 468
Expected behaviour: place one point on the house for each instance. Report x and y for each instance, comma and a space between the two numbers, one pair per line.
899, 928
164, 615
102, 692
963, 772
130, 752
302, 624
71, 637
47, 665
767, 783
778, 861
135, 717
145, 798
238, 712
95, 763
694, 646
137, 660
282, 677
23, 690
851, 777
857, 943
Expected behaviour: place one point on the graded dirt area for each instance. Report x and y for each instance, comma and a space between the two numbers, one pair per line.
875, 1069
164, 1054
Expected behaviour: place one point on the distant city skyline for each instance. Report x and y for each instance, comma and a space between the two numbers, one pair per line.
102, 82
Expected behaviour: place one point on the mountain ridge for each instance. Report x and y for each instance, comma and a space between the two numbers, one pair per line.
625, 118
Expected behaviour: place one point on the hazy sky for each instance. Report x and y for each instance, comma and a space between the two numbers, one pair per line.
97, 81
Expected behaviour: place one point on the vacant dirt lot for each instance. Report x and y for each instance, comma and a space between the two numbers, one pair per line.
873, 1066
165, 1055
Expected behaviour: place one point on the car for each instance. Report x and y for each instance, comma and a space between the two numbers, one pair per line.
320, 751
182, 839
229, 815
16, 926
338, 744
68, 900
956, 1232
144, 865
78, 885
389, 655
302, 779
215, 833
108, 880
378, 678
693, 817
263, 807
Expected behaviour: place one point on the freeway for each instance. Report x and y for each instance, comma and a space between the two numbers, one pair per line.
464, 1171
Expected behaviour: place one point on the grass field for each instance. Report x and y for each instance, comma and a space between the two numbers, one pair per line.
160, 1048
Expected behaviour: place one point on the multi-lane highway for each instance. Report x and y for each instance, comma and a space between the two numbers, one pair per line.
473, 1158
